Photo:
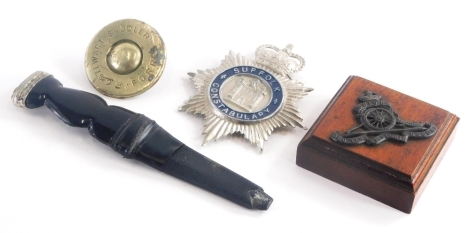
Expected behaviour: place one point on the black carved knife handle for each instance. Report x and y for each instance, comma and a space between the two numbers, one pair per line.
132, 135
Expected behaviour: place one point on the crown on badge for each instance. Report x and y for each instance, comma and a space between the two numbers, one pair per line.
282, 61
369, 95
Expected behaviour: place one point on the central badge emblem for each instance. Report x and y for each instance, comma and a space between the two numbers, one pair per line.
249, 97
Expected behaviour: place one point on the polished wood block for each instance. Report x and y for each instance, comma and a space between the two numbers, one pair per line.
393, 172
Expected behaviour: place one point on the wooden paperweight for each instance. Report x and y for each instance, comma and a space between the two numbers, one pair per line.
378, 142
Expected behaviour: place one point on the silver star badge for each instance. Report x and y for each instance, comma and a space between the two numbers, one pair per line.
249, 97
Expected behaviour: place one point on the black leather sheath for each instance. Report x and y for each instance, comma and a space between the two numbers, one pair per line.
135, 136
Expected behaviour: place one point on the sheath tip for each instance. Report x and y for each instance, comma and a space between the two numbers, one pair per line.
260, 200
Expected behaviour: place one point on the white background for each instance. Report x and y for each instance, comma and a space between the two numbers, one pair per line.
55, 178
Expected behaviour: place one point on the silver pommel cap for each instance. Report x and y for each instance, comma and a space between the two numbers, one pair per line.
22, 91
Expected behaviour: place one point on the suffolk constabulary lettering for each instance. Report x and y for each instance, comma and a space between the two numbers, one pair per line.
257, 72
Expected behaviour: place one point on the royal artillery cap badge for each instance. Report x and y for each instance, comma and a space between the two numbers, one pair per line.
380, 122
249, 97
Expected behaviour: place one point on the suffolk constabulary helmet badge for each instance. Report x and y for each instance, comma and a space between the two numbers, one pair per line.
249, 97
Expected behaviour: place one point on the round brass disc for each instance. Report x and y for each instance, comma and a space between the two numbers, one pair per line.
125, 58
